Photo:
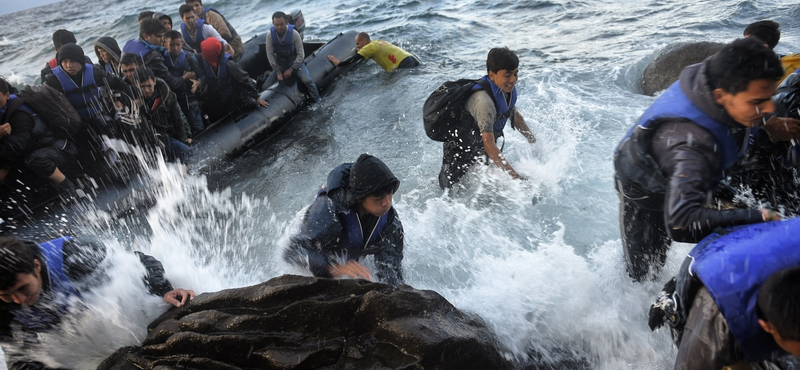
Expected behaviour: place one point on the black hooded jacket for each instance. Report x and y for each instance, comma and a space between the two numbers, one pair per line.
322, 235
676, 164
112, 48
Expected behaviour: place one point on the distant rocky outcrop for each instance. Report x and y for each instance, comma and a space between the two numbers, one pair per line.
665, 69
296, 322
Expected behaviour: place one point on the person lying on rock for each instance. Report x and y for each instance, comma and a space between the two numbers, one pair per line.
351, 217
39, 284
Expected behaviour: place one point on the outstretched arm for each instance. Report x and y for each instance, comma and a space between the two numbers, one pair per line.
497, 157
519, 123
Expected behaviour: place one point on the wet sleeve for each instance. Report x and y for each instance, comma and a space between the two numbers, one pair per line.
319, 236
82, 258
14, 147
482, 109
691, 167
389, 257
707, 341
369, 50
351, 59
298, 47
155, 281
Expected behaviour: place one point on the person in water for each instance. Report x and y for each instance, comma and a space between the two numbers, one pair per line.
285, 54
668, 164
736, 299
195, 31
184, 64
214, 18
226, 86
108, 52
388, 56
351, 217
26, 141
42, 284
60, 38
489, 108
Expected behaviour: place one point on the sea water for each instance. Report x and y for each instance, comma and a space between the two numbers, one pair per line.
539, 260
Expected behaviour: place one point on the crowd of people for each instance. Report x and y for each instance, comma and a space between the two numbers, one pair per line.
674, 171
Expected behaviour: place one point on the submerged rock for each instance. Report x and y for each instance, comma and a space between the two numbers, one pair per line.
669, 63
294, 322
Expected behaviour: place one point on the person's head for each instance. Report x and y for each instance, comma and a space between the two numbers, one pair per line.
280, 22
107, 49
152, 31
502, 66
5, 92
71, 59
371, 186
128, 65
743, 77
362, 39
768, 32
20, 271
779, 308
197, 5
173, 41
187, 15
145, 15
211, 49
165, 20
63, 37
145, 81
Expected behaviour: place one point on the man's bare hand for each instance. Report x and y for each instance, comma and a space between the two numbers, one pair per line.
352, 269
172, 297
334, 60
5, 130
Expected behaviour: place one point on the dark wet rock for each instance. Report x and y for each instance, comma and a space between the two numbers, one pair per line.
667, 66
296, 322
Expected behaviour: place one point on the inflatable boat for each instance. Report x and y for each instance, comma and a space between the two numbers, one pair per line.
29, 203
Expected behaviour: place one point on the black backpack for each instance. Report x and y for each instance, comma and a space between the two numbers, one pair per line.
442, 112
54, 109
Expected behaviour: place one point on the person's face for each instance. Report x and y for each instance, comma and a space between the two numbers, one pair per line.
174, 46
4, 99
148, 88
27, 289
280, 25
103, 54
155, 39
197, 6
791, 346
190, 19
127, 71
505, 79
72, 67
167, 25
360, 43
750, 106
377, 205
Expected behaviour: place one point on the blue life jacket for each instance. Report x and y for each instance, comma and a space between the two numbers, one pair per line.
136, 47
85, 97
674, 103
504, 108
109, 69
355, 237
194, 40
285, 52
733, 265
3, 109
230, 27
223, 70
61, 290
178, 67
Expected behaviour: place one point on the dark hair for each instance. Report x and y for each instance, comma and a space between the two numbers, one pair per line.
146, 14
741, 62
143, 74
280, 15
193, 1
162, 16
151, 26
501, 58
767, 31
172, 35
131, 58
185, 8
62, 37
5, 87
779, 302
364, 36
16, 257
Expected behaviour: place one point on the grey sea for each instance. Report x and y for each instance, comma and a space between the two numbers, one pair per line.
539, 260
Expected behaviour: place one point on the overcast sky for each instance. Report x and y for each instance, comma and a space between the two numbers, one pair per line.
11, 6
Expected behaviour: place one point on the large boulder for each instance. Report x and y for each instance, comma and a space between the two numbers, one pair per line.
296, 322
665, 69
